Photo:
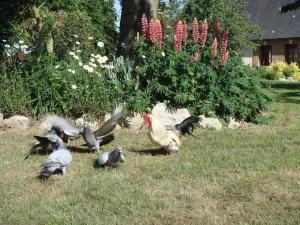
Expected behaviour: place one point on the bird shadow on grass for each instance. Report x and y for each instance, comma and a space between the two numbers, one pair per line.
80, 149
152, 151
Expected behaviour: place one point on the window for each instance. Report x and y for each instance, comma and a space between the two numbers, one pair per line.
266, 55
291, 53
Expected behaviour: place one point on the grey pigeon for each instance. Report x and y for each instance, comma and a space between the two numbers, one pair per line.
57, 161
63, 128
110, 159
102, 135
45, 144
89, 138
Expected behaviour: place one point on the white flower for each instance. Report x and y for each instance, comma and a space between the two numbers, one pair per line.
85, 67
71, 53
74, 86
78, 51
80, 64
21, 42
76, 57
75, 36
69, 70
92, 64
93, 55
73, 71
77, 43
56, 67
144, 57
92, 59
4, 41
91, 38
90, 69
163, 54
100, 44
7, 46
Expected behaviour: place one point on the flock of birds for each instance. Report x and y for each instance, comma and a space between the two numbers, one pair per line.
61, 131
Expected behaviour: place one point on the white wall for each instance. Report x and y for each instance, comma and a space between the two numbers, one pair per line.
247, 55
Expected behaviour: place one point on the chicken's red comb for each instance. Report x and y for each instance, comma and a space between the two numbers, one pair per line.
147, 118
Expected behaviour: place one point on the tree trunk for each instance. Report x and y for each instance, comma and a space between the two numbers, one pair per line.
132, 11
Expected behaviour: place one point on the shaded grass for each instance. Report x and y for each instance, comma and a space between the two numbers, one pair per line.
250, 175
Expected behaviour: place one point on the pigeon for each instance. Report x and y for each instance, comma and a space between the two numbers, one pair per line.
45, 144
63, 128
57, 161
89, 138
103, 134
186, 126
110, 159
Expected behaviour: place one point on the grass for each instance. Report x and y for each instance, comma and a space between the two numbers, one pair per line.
250, 175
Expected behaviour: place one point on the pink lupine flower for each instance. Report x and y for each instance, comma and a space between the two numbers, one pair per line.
195, 30
203, 34
145, 27
214, 47
224, 41
224, 47
184, 31
159, 34
152, 31
178, 37
216, 28
177, 43
179, 30
224, 58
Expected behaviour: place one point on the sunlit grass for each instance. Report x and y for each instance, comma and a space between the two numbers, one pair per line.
250, 175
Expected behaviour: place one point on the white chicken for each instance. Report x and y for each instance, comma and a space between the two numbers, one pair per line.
169, 139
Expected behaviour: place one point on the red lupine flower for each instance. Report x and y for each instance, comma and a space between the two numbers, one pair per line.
216, 28
224, 58
203, 34
145, 27
214, 47
195, 30
184, 31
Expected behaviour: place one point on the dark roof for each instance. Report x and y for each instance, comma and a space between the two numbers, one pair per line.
274, 24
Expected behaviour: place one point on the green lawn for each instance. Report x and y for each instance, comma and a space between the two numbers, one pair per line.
250, 175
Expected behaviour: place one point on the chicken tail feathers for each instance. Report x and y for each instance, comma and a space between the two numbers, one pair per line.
187, 125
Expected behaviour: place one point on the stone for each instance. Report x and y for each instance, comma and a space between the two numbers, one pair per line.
135, 122
17, 122
210, 123
169, 118
233, 123
79, 122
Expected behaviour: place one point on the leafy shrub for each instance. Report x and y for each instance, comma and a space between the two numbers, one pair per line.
75, 86
192, 77
281, 70
268, 74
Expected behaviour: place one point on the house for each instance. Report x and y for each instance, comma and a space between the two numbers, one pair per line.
281, 33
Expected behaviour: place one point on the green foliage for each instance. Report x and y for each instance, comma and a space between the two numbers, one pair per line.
231, 14
13, 95
203, 86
